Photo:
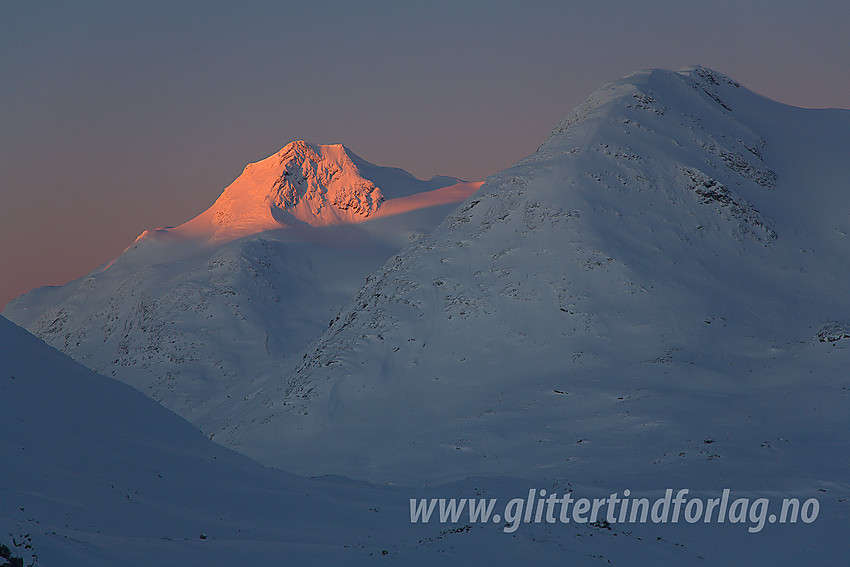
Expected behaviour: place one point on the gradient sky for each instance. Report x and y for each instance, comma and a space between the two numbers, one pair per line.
116, 117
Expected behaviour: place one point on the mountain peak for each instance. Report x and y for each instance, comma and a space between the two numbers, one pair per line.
301, 151
315, 185
642, 90
313, 177
706, 75
302, 183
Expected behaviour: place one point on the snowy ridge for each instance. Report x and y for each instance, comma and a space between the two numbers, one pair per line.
663, 261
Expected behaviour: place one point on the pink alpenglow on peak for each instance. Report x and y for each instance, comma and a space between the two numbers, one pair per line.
317, 185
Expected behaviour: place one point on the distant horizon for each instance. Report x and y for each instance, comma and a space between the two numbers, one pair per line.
124, 118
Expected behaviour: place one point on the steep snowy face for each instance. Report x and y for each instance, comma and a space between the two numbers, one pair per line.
188, 314
657, 274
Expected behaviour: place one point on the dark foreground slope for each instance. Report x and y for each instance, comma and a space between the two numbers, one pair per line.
94, 473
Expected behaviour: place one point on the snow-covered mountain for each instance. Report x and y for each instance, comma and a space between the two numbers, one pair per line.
188, 314
659, 291
654, 299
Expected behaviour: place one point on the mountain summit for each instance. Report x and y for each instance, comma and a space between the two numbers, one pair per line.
303, 183
317, 185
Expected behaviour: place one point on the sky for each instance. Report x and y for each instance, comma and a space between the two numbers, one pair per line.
116, 117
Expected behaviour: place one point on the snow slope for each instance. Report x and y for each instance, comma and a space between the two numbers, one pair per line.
188, 314
94, 473
655, 295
